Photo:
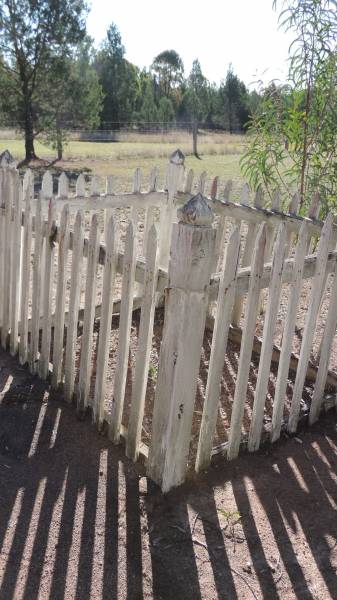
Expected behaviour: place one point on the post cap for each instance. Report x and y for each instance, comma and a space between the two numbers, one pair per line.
177, 157
6, 159
196, 212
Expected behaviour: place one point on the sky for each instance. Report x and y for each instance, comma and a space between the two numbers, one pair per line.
217, 32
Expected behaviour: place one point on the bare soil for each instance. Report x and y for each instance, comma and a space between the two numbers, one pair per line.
78, 520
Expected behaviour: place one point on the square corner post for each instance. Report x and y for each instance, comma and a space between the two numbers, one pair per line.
186, 304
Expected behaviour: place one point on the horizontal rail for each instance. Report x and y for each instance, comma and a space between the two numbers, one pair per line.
255, 214
243, 275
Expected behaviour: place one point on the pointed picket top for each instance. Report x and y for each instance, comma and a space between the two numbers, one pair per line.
80, 186
137, 180
63, 186
189, 181
28, 182
259, 197
214, 188
153, 179
7, 160
276, 200
95, 185
109, 185
47, 185
177, 157
202, 182
294, 204
245, 193
314, 206
196, 212
228, 189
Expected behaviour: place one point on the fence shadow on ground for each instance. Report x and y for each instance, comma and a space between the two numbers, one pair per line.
78, 521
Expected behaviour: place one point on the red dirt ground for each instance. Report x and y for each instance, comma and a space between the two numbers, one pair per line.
79, 521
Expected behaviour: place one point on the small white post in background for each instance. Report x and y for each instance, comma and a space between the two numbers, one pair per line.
175, 178
186, 304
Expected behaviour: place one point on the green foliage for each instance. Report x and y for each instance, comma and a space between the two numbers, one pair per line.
292, 134
168, 70
148, 113
77, 100
119, 80
166, 112
35, 38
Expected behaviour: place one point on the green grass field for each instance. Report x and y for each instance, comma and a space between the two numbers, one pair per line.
220, 155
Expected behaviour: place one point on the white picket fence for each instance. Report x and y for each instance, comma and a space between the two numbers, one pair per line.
60, 277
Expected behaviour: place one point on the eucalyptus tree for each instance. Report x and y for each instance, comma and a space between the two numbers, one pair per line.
293, 134
34, 36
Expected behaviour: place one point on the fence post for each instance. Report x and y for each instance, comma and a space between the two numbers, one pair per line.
186, 304
175, 173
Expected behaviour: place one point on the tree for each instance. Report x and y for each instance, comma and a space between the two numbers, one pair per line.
166, 111
234, 99
293, 134
148, 114
118, 78
32, 36
77, 99
196, 99
168, 69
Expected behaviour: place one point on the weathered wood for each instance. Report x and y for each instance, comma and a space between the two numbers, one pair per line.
220, 234
288, 334
310, 324
247, 257
247, 344
202, 182
185, 314
167, 213
325, 353
2, 240
63, 186
105, 325
6, 306
89, 315
15, 264
124, 333
189, 181
25, 278
144, 347
80, 187
60, 297
36, 293
268, 337
219, 343
47, 290
74, 303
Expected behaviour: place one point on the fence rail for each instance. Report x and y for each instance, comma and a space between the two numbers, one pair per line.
71, 263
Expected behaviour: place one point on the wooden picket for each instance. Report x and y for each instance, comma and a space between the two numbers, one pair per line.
105, 326
247, 344
144, 346
268, 337
289, 328
63, 244
46, 289
89, 315
222, 322
26, 269
74, 305
129, 265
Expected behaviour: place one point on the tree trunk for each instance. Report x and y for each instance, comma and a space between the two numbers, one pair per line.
59, 144
29, 136
195, 138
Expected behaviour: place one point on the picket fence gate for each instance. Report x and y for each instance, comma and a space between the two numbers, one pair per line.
208, 260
